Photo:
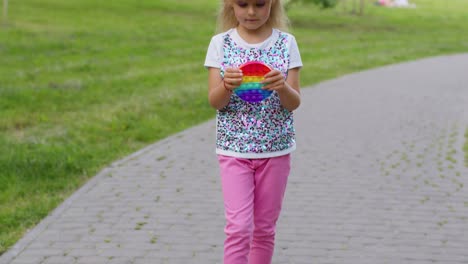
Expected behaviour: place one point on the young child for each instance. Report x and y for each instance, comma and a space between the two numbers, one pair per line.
254, 139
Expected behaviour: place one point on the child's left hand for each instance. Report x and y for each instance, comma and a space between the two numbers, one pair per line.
274, 81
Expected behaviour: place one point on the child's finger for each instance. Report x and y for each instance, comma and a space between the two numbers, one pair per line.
272, 73
233, 71
272, 79
232, 78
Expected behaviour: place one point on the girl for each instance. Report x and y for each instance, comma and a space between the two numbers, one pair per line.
254, 140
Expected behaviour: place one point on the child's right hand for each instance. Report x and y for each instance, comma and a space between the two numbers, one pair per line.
232, 78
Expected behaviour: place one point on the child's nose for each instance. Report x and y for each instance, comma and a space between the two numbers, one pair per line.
251, 10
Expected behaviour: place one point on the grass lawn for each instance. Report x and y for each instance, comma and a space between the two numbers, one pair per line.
86, 82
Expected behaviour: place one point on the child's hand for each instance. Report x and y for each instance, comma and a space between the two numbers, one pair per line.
232, 78
274, 81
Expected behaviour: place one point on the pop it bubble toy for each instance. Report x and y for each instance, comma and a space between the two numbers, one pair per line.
251, 88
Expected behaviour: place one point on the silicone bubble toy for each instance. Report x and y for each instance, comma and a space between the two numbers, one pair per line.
251, 88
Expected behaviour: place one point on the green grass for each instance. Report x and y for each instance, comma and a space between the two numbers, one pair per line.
85, 82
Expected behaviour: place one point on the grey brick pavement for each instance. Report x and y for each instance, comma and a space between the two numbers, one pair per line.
378, 177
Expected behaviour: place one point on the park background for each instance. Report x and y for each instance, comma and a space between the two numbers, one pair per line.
85, 82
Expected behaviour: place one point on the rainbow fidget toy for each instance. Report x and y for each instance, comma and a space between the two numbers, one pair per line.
251, 88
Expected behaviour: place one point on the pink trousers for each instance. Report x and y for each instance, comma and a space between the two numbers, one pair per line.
253, 191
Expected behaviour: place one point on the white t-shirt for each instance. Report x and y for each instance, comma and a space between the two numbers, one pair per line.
262, 129
214, 55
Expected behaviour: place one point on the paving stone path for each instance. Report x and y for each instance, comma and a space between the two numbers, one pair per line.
378, 177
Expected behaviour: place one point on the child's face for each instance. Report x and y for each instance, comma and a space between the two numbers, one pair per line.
252, 14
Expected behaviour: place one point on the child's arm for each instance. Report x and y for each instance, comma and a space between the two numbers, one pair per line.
288, 90
219, 89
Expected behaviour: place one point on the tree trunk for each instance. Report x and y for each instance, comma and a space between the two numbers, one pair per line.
5, 10
361, 7
344, 3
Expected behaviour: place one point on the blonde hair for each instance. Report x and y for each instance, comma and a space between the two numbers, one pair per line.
227, 19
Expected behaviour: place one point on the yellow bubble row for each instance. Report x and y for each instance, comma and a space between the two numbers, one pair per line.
252, 78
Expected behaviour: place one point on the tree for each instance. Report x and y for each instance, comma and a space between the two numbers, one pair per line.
5, 10
325, 3
321, 3
355, 9
332, 3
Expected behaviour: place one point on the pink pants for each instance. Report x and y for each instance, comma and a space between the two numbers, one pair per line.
253, 191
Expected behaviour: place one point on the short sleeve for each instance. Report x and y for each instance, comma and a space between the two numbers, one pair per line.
295, 56
214, 53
